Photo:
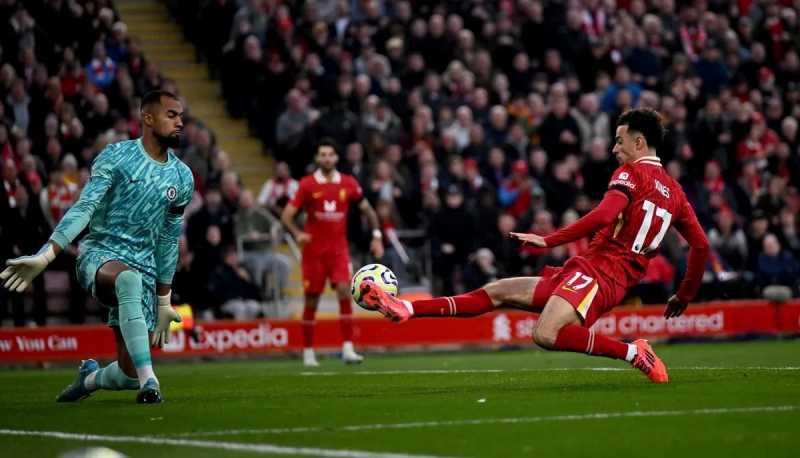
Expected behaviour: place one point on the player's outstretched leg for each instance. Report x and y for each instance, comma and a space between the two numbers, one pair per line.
559, 328
513, 292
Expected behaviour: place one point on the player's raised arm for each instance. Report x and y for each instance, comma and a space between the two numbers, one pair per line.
604, 214
688, 226
21, 271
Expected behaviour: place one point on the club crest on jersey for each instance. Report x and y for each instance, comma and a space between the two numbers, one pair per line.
172, 193
342, 195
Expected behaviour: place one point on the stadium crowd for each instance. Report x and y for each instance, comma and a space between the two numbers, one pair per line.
468, 119
474, 118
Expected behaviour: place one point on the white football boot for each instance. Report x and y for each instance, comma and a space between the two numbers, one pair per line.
349, 355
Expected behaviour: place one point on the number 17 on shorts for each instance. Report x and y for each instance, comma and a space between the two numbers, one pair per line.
579, 290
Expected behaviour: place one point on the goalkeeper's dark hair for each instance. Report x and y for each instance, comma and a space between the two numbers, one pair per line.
153, 97
646, 122
328, 141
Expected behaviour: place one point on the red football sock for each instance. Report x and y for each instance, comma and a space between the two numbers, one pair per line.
582, 340
346, 319
308, 326
472, 303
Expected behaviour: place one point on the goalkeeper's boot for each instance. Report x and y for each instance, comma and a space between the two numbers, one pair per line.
391, 307
76, 390
647, 362
349, 355
149, 393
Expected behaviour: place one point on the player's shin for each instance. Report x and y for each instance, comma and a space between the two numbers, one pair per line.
582, 340
128, 288
346, 318
112, 378
473, 303
308, 325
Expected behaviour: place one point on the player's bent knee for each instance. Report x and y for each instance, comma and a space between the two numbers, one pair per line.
127, 280
494, 290
545, 336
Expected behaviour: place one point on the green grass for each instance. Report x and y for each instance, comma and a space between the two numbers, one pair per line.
529, 385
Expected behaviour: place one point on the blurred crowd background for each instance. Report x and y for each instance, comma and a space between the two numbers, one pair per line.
462, 120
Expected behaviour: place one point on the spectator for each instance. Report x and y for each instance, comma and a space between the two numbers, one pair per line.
212, 213
293, 122
101, 70
592, 123
622, 82
480, 269
18, 104
257, 233
560, 134
451, 239
514, 194
777, 270
727, 239
232, 290
278, 190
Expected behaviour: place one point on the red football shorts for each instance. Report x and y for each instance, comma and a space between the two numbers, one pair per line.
589, 292
318, 267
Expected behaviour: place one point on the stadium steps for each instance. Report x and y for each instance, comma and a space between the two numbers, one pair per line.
163, 43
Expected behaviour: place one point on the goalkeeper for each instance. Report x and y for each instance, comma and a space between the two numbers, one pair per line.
133, 205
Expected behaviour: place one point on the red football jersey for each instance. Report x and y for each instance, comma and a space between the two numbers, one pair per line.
655, 202
326, 204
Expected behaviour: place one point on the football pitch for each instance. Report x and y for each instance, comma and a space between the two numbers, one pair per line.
724, 400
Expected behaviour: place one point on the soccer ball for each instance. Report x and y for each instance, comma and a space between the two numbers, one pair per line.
378, 273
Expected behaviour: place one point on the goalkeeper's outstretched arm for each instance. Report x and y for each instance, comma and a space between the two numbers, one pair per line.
21, 271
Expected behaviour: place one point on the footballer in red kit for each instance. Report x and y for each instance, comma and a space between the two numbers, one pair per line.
641, 204
326, 203
325, 197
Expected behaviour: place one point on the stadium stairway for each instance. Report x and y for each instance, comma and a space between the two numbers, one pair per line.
163, 43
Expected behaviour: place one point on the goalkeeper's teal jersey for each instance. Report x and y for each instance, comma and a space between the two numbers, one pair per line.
133, 205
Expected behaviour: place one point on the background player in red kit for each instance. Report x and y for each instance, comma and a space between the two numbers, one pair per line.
325, 196
641, 204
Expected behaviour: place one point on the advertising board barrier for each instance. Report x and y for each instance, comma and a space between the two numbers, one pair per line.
502, 327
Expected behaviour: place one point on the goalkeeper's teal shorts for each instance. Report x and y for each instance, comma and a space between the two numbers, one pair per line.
90, 261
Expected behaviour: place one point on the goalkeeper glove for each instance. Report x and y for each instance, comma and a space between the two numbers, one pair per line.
21, 271
166, 315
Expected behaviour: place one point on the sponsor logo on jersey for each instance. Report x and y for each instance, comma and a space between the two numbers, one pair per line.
172, 193
625, 183
662, 189
622, 179
329, 206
